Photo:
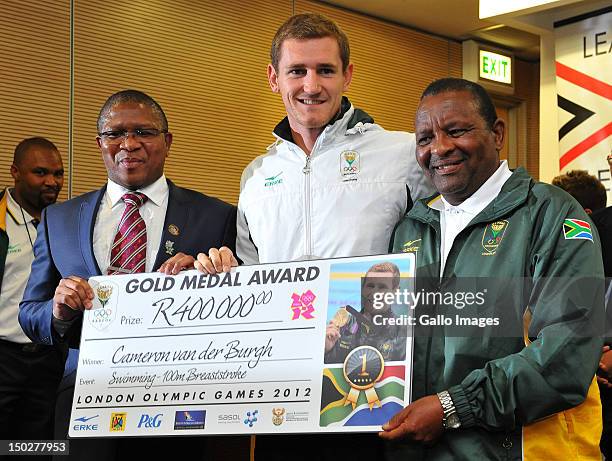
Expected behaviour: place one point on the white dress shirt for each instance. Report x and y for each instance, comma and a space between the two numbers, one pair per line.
453, 219
111, 209
16, 269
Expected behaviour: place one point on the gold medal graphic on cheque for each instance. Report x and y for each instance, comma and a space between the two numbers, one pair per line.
362, 368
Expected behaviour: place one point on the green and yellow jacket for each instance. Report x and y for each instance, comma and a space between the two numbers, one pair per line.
530, 395
4, 240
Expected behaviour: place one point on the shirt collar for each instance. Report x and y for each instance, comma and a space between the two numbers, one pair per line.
283, 129
485, 194
155, 192
15, 210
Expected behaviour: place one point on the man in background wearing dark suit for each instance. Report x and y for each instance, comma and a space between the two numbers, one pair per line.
133, 224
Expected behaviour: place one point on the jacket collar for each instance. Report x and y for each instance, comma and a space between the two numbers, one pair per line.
155, 192
347, 118
176, 222
513, 194
87, 219
3, 202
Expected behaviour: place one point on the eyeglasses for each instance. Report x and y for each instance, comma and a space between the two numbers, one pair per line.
140, 134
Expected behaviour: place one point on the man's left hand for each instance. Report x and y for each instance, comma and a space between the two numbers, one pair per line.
420, 421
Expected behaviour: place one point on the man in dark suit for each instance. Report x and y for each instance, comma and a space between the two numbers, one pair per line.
94, 234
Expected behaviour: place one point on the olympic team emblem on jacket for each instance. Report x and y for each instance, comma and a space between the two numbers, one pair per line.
492, 236
349, 165
105, 306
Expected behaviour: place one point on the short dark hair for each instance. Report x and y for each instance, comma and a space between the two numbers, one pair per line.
584, 187
24, 147
486, 108
131, 96
309, 25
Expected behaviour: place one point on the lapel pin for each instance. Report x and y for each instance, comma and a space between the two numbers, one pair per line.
173, 229
169, 247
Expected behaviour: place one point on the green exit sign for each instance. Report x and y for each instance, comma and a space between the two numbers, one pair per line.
496, 67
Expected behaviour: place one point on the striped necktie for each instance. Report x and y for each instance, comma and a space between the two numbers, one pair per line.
129, 250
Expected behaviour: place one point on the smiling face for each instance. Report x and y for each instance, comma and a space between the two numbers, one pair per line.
134, 163
455, 147
311, 81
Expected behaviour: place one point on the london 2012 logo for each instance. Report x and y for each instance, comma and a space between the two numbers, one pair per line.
302, 305
104, 311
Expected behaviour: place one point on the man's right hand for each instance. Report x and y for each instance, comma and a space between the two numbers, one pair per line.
604, 373
217, 260
72, 295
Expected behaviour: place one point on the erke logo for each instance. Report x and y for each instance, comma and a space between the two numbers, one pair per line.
273, 180
148, 421
82, 424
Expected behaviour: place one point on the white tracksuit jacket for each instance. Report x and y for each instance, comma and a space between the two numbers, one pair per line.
342, 200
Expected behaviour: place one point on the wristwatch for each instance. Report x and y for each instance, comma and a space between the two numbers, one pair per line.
450, 420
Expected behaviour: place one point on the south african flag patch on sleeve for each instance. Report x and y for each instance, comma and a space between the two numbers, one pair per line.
577, 229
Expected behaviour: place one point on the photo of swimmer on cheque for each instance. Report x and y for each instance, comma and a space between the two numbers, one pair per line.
365, 381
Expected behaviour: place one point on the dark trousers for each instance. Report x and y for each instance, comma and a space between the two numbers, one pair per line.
29, 376
318, 447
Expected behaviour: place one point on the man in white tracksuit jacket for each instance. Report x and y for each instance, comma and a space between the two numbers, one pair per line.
343, 198
333, 184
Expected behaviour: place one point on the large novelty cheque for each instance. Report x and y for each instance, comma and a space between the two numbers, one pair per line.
244, 352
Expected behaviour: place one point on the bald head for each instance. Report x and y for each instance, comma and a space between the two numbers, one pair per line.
29, 144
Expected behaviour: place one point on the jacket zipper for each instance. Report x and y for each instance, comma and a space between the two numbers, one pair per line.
431, 336
307, 237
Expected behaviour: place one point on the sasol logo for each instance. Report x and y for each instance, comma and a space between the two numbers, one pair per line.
148, 421
83, 424
228, 419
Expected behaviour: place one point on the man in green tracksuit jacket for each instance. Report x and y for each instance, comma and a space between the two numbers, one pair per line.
530, 394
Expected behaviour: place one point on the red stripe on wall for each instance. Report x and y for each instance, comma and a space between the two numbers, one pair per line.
583, 80
585, 145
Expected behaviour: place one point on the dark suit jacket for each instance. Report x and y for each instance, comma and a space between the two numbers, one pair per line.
64, 247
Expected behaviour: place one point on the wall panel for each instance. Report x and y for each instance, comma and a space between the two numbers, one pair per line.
34, 77
204, 62
393, 64
528, 89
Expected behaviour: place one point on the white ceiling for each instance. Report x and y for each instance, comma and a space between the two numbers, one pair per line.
455, 19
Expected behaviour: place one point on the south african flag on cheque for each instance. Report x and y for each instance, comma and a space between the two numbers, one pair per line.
577, 229
334, 412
